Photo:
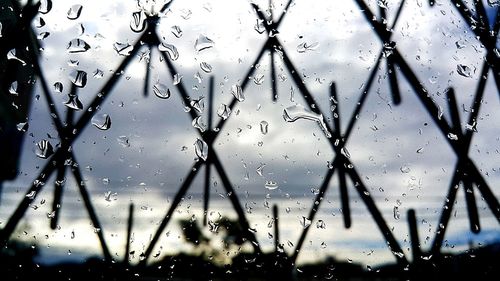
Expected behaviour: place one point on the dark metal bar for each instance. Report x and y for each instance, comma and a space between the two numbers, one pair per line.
148, 73
206, 192
274, 86
393, 81
233, 197
276, 228
177, 199
130, 223
90, 209
415, 241
483, 187
470, 200
455, 115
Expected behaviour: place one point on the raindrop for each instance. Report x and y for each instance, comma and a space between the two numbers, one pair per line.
396, 212
198, 105
264, 126
39, 22
259, 26
98, 74
171, 51
161, 91
464, 70
452, 136
237, 92
460, 44
80, 29
45, 6
304, 47
176, 31
321, 224
198, 77
1, 27
138, 22
271, 185
295, 112
198, 124
177, 79
494, 3
258, 79
73, 63
13, 88
203, 43
40, 36
206, 67
201, 149
79, 78
305, 222
123, 49
74, 12
123, 141
101, 121
260, 169
77, 46
404, 169
44, 149
224, 111
11, 55
382, 4
22, 127
58, 87
74, 103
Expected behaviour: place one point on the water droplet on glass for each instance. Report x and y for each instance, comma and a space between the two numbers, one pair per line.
464, 70
295, 112
74, 12
258, 79
13, 88
404, 169
79, 78
77, 46
305, 222
101, 121
171, 51
203, 43
177, 79
382, 4
176, 31
198, 124
198, 77
260, 169
123, 141
22, 127
321, 224
11, 55
259, 26
98, 74
494, 3
138, 21
224, 111
161, 91
264, 127
304, 47
201, 149
74, 103
271, 185
198, 105
39, 22
396, 212
206, 67
452, 136
80, 29
40, 36
44, 149
58, 87
45, 6
237, 92
122, 49
73, 63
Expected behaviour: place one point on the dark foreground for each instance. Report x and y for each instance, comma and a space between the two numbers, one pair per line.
476, 264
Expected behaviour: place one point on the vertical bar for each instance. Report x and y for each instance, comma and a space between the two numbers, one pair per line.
148, 73
90, 209
470, 201
130, 223
206, 192
393, 81
415, 241
274, 87
455, 116
276, 228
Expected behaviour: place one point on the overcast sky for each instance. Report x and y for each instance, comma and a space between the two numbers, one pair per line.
402, 157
